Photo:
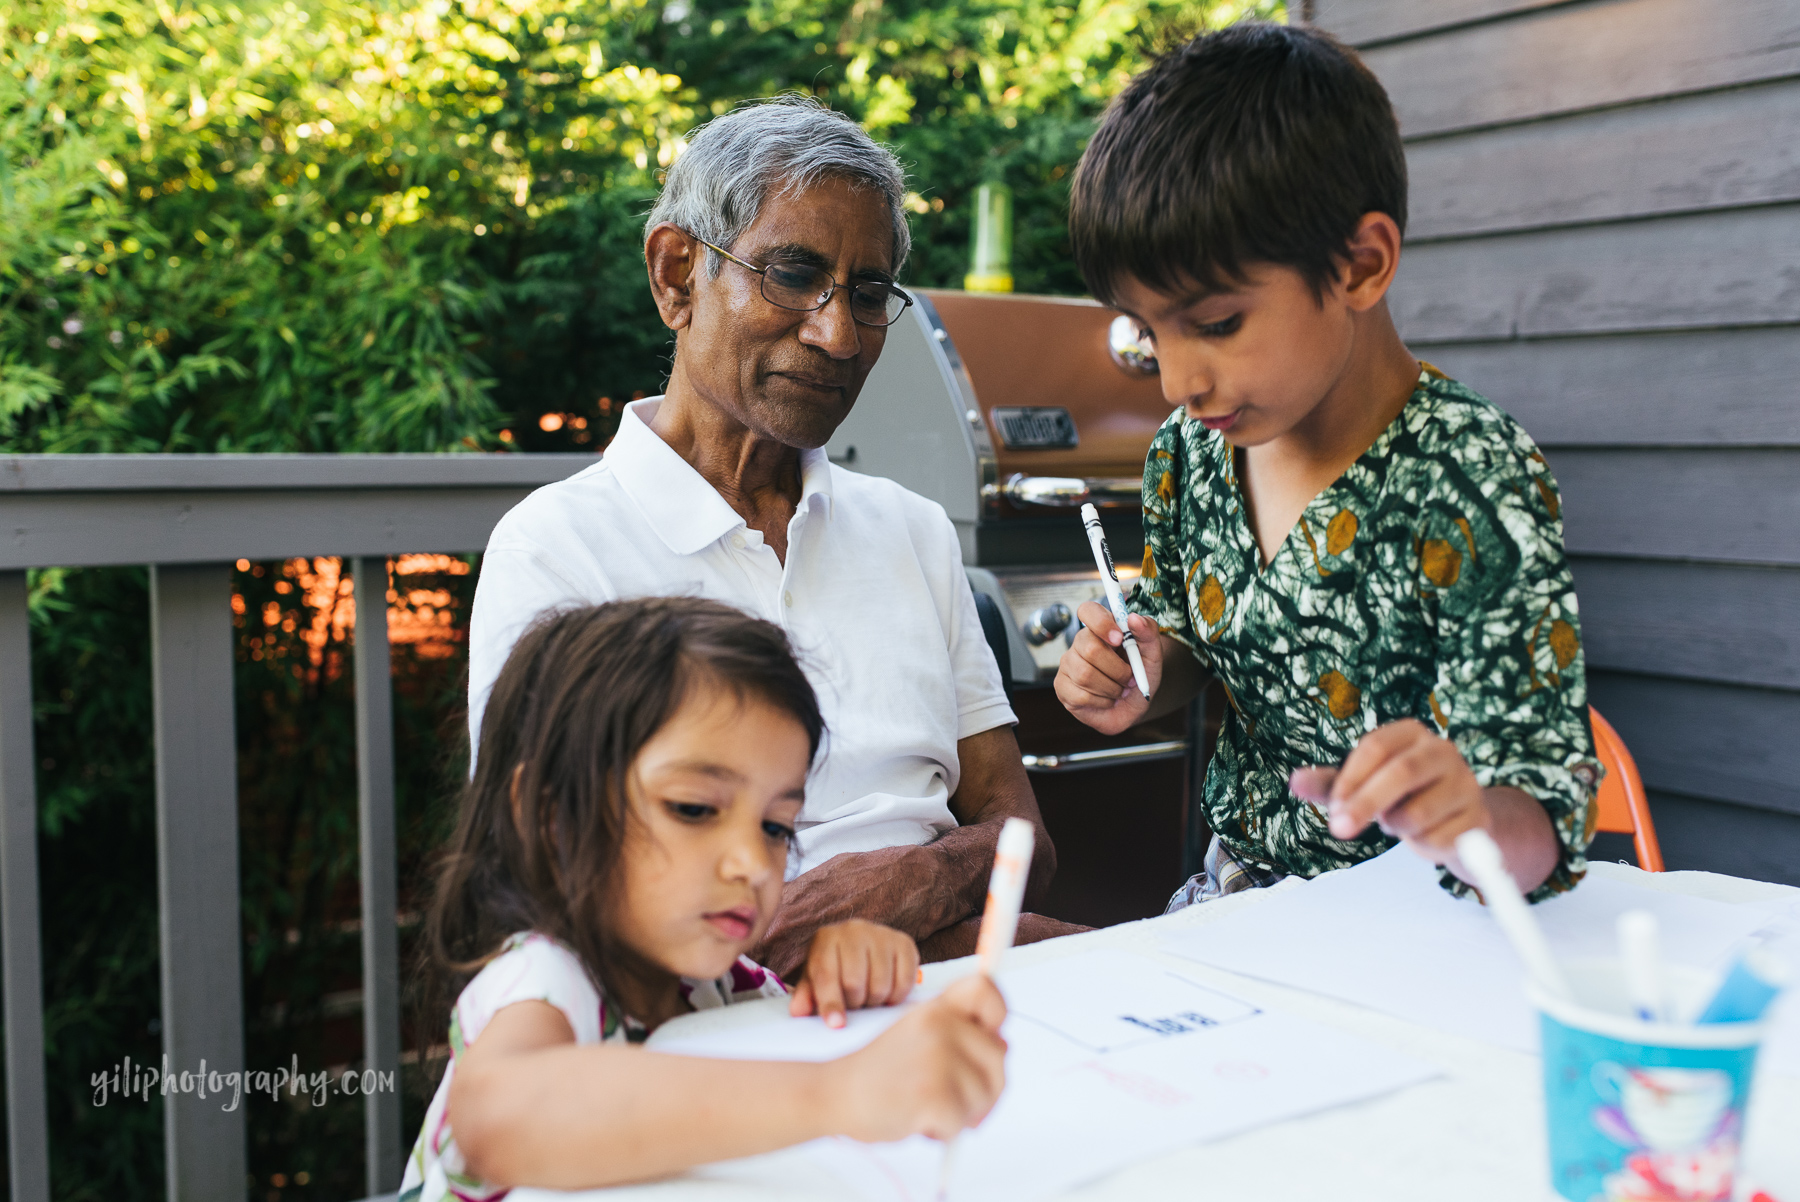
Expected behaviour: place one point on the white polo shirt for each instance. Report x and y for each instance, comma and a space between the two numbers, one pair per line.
873, 597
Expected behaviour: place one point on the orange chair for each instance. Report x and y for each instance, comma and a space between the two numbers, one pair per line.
1623, 807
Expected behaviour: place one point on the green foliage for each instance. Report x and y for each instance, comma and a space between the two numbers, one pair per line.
394, 224
391, 225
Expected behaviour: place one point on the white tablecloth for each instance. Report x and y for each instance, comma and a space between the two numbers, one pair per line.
1475, 1133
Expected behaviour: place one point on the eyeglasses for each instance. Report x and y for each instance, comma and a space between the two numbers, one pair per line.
804, 289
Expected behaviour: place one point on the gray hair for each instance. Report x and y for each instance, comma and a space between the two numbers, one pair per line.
734, 163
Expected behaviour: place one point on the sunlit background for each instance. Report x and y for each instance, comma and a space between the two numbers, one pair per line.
391, 226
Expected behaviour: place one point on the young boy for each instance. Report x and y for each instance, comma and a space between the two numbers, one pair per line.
1366, 553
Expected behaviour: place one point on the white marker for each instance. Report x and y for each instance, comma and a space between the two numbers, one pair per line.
999, 924
1643, 971
1481, 856
1115, 600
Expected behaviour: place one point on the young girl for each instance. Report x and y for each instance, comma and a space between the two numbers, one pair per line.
622, 843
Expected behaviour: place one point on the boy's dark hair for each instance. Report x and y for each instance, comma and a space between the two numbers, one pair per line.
542, 823
1259, 143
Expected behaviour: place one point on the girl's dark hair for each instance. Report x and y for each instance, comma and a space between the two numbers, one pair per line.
580, 695
1256, 144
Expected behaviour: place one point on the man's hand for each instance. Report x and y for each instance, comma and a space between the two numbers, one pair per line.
1416, 786
1094, 682
855, 964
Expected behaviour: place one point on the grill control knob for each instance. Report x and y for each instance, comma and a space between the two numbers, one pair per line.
1046, 623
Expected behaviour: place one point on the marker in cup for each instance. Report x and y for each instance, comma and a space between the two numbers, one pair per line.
1115, 599
1638, 951
999, 924
1750, 984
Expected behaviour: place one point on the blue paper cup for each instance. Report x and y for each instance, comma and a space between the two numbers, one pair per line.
1640, 1111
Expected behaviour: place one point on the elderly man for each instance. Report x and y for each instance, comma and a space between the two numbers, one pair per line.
772, 254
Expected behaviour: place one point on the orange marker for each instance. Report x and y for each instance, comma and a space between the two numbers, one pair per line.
999, 924
1006, 893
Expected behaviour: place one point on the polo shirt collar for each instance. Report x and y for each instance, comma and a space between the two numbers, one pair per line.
685, 511
815, 480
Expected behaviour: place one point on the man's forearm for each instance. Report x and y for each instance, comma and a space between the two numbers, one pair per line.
945, 881
993, 788
966, 858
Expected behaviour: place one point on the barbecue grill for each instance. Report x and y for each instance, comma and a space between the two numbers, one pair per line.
1012, 411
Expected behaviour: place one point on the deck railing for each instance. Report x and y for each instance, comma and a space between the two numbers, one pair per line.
189, 518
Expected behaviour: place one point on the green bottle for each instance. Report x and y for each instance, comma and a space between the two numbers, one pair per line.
990, 244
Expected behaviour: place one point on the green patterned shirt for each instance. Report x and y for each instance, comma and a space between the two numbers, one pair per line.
1427, 582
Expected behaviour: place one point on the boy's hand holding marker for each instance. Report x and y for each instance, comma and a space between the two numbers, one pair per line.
1114, 665
1094, 681
1115, 598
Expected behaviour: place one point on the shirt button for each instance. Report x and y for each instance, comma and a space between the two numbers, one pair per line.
787, 599
737, 540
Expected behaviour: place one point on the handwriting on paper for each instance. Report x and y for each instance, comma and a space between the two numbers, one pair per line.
1164, 1001
1173, 1024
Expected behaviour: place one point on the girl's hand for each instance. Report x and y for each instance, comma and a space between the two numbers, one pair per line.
1408, 780
936, 1071
854, 964
1094, 682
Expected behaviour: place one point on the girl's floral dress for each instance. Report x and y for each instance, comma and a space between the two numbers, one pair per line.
535, 968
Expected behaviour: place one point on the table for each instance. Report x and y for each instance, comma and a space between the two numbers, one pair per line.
1474, 1134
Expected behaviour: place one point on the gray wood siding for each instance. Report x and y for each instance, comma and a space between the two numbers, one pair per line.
1724, 623
1681, 388
1585, 56
1363, 22
1721, 741
1605, 239
1716, 837
1700, 269
1707, 151
1680, 503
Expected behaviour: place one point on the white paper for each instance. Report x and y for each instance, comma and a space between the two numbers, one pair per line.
789, 1039
1385, 935
1781, 933
1090, 1010
1088, 1089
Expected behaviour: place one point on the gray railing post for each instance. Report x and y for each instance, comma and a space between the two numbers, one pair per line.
83, 511
21, 980
197, 876
377, 852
